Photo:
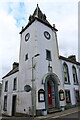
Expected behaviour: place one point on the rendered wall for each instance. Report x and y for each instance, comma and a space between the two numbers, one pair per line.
9, 93
71, 86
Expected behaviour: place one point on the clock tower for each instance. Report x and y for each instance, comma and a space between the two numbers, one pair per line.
39, 65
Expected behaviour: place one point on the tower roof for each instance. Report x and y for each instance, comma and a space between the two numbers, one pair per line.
37, 14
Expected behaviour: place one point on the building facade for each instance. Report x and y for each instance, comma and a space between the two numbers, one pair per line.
51, 81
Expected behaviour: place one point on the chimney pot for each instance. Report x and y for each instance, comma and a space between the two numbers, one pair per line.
15, 65
54, 25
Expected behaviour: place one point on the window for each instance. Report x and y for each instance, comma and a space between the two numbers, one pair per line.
74, 75
41, 95
48, 55
61, 95
6, 86
67, 93
26, 57
15, 84
77, 96
66, 73
5, 103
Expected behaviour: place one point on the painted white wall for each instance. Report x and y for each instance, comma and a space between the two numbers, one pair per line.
71, 87
42, 63
37, 44
9, 93
25, 67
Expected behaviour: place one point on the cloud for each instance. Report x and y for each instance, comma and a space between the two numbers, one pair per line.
37, 1
14, 14
66, 19
17, 10
9, 41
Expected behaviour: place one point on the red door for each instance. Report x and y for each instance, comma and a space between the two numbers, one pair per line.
49, 95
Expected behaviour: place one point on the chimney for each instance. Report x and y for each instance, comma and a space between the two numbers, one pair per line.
15, 65
72, 57
54, 25
31, 18
22, 27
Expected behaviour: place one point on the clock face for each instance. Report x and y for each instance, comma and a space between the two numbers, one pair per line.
47, 35
27, 36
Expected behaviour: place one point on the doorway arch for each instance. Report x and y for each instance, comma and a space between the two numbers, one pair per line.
50, 80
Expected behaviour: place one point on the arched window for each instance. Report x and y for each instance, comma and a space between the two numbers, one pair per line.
74, 75
66, 73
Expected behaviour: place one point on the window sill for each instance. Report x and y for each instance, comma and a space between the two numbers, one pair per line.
6, 91
48, 59
68, 83
76, 83
5, 109
68, 102
14, 89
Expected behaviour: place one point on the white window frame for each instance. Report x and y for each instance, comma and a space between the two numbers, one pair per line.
15, 84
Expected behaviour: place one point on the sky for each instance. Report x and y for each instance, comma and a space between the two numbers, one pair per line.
15, 13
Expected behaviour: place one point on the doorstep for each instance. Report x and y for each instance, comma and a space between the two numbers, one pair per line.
54, 110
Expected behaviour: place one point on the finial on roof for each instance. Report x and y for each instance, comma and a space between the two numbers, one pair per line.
22, 27
37, 11
37, 5
38, 14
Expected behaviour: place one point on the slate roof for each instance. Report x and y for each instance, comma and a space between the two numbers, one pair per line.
38, 13
39, 16
14, 70
69, 60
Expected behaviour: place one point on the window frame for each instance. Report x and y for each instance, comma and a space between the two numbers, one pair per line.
26, 57
68, 100
48, 55
15, 84
5, 103
6, 86
66, 74
77, 96
74, 72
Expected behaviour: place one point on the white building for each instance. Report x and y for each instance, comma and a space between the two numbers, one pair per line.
52, 79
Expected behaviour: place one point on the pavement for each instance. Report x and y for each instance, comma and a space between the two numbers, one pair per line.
60, 114
46, 117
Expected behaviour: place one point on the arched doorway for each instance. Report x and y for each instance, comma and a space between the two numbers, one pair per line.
51, 82
51, 94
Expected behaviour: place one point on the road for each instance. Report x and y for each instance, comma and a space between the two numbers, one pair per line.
71, 113
74, 116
